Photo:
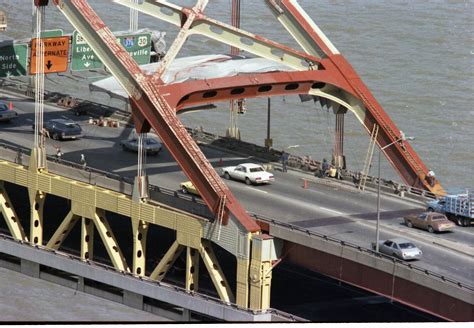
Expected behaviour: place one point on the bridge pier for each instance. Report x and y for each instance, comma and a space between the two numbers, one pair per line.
338, 152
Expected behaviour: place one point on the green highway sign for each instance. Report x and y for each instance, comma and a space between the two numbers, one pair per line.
13, 60
84, 58
51, 33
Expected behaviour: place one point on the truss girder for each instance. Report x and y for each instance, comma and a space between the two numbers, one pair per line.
160, 115
225, 33
11, 218
109, 240
62, 231
215, 271
167, 261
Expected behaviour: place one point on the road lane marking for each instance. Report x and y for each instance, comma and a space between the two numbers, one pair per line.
329, 210
265, 192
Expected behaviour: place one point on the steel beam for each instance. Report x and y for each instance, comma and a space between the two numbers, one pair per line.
87, 239
192, 270
156, 110
140, 233
62, 231
226, 34
167, 261
110, 243
215, 271
261, 272
11, 218
37, 199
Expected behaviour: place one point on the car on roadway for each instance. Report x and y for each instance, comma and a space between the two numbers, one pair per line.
62, 129
151, 145
7, 114
187, 187
249, 172
399, 248
430, 221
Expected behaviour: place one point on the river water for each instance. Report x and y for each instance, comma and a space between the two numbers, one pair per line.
417, 57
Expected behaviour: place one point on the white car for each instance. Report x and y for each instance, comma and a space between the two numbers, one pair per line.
248, 172
399, 247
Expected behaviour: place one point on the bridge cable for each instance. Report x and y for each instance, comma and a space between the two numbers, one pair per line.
39, 80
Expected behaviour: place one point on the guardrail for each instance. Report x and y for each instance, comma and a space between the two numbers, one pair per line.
363, 250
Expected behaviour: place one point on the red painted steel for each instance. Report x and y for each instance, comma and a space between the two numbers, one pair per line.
404, 159
162, 117
380, 282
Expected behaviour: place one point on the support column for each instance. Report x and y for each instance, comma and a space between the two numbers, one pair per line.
268, 140
37, 199
140, 232
192, 269
87, 239
242, 289
11, 218
261, 272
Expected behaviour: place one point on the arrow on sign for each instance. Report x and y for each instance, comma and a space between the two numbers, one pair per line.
49, 64
87, 64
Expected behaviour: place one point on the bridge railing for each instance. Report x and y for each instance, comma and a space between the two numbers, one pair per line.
361, 249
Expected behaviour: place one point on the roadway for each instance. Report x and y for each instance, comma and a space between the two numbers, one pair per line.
327, 207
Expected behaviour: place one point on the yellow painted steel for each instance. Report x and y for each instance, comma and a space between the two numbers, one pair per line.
87, 239
260, 273
192, 270
11, 218
62, 231
37, 199
167, 261
215, 271
91, 203
140, 232
110, 243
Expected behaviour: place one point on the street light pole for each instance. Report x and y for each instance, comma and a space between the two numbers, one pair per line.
377, 226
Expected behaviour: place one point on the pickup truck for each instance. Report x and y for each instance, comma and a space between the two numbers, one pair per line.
430, 221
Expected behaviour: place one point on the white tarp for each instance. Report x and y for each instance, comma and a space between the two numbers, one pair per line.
196, 68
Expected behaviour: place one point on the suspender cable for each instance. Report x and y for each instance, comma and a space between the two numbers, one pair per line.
133, 17
39, 80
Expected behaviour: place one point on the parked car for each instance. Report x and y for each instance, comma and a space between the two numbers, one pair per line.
152, 146
7, 114
248, 172
430, 221
400, 248
187, 187
61, 129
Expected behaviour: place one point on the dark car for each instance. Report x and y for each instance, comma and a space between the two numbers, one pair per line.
60, 129
151, 145
6, 114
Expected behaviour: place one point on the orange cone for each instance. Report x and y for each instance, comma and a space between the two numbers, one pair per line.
10, 105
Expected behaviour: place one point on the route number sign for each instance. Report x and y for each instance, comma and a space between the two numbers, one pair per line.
84, 58
56, 52
13, 60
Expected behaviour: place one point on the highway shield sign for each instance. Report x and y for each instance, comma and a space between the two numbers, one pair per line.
84, 58
13, 61
56, 54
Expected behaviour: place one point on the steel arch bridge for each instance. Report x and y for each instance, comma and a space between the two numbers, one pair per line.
320, 71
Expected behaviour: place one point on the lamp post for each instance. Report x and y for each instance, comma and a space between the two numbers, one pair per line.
377, 231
